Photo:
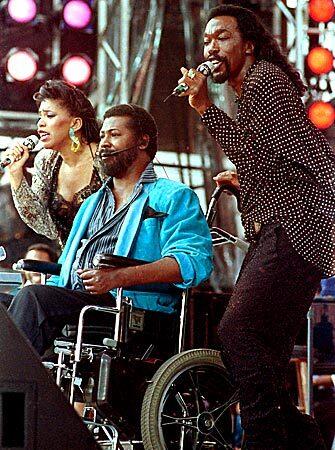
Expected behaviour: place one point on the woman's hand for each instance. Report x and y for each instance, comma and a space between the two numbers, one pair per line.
20, 155
227, 178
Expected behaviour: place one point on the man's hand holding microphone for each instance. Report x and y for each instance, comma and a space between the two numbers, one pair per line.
194, 85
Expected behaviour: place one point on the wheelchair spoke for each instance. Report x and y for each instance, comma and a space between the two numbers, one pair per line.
217, 412
200, 439
196, 389
181, 402
179, 421
216, 435
195, 410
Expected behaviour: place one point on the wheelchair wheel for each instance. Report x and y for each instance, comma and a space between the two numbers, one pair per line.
188, 404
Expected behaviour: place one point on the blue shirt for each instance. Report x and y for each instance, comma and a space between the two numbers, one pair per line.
104, 226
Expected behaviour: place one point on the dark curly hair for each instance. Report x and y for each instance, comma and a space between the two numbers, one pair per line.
266, 46
75, 101
141, 121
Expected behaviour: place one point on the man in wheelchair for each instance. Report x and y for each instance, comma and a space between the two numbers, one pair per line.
134, 214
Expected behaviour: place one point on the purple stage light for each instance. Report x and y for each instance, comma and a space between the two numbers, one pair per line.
22, 11
77, 69
77, 14
21, 64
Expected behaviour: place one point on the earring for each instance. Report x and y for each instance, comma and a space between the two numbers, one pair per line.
75, 144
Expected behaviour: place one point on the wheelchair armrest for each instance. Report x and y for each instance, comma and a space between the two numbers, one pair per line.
109, 260
32, 265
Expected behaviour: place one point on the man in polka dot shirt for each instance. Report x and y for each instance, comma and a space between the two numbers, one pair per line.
286, 172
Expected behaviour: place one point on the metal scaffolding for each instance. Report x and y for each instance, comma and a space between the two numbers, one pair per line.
128, 43
129, 36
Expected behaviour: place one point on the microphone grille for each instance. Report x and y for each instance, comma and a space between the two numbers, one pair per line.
31, 141
206, 68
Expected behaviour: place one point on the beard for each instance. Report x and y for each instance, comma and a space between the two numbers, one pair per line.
115, 166
222, 77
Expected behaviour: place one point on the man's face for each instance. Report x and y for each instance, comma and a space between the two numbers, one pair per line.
223, 44
38, 255
116, 134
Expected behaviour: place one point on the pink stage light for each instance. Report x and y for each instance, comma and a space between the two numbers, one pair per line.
22, 11
77, 70
77, 14
22, 65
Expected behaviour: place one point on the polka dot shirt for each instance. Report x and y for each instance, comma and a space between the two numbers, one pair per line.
286, 167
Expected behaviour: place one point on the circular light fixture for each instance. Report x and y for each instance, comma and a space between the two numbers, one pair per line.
21, 64
320, 60
321, 10
77, 14
77, 69
22, 11
322, 114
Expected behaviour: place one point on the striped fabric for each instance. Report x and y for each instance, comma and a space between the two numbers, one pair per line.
105, 225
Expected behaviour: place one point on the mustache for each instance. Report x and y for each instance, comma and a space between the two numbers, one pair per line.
219, 59
105, 150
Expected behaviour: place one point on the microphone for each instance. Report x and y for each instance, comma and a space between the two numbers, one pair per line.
30, 142
206, 68
118, 151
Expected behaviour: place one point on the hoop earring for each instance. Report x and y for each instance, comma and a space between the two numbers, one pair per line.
75, 144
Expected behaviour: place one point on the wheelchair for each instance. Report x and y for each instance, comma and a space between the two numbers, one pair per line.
138, 395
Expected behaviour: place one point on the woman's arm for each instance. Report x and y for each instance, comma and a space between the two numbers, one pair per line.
31, 202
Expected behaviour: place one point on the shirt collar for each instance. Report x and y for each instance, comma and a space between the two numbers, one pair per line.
148, 176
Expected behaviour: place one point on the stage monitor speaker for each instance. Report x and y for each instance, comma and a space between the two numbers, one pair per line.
34, 413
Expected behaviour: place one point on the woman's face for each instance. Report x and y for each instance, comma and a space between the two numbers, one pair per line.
54, 124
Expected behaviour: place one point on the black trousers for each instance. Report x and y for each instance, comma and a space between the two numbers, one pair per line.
6, 299
42, 311
272, 296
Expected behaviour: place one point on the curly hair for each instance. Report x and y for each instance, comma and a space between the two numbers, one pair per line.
266, 46
141, 121
76, 103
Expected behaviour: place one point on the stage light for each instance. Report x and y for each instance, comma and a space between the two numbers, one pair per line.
77, 69
322, 114
77, 14
321, 10
320, 60
21, 64
22, 11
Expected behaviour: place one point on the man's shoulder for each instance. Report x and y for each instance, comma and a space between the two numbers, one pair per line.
268, 80
170, 185
267, 73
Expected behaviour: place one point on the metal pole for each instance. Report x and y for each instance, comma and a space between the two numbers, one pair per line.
309, 403
299, 20
124, 50
102, 71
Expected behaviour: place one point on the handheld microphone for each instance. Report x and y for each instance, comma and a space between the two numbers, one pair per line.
30, 142
206, 68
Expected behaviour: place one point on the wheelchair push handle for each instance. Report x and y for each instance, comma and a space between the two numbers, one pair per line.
224, 187
32, 265
211, 211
